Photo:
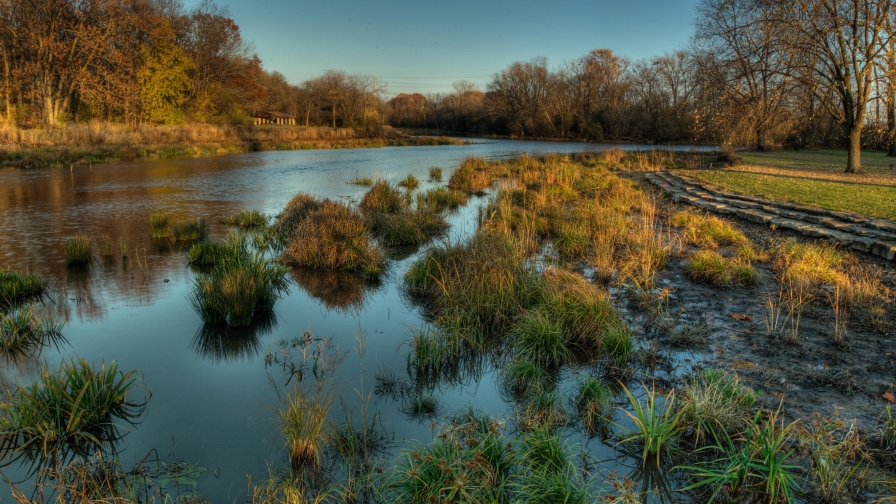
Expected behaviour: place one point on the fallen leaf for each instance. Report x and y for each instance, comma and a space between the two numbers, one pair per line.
889, 396
741, 316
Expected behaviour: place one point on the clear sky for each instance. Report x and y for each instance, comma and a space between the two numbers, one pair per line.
420, 46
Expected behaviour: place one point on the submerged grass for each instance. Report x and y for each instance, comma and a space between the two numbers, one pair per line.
159, 225
77, 249
189, 229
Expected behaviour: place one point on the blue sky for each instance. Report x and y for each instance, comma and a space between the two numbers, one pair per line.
418, 46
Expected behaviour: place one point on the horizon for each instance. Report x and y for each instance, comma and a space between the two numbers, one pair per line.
382, 39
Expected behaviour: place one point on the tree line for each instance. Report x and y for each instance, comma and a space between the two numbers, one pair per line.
797, 73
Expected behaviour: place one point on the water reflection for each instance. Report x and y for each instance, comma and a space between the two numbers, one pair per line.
223, 343
340, 291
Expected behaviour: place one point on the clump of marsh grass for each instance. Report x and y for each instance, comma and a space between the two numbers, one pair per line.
473, 176
303, 421
410, 183
295, 212
435, 173
409, 228
248, 219
123, 246
23, 332
382, 198
333, 236
523, 378
189, 229
241, 285
715, 401
106, 247
16, 287
77, 249
159, 225
467, 463
812, 264
442, 199
77, 409
836, 453
707, 231
538, 338
709, 265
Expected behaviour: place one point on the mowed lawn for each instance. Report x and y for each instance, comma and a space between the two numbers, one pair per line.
813, 178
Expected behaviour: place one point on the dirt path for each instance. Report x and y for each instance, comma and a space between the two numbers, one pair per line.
858, 232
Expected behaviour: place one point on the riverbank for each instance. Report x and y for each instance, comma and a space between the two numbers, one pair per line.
97, 143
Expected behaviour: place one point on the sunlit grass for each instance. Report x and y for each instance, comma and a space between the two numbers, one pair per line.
77, 249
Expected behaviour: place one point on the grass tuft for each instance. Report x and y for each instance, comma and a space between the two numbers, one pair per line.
247, 219
189, 229
77, 249
159, 225
23, 332
410, 183
16, 287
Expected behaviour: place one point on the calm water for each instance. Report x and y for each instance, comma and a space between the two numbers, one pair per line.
212, 403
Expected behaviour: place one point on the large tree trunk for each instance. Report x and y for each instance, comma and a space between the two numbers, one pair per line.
854, 156
891, 126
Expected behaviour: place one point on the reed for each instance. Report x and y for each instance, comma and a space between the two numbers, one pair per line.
159, 225
77, 249
123, 246
382, 198
303, 421
16, 287
247, 219
435, 174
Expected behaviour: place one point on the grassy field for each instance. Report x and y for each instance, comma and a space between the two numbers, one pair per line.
813, 178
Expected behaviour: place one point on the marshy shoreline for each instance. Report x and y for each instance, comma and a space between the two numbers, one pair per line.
96, 143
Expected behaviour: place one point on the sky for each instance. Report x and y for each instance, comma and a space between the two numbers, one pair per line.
420, 46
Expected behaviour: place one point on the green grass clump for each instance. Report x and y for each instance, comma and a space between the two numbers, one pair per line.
242, 285
334, 237
189, 229
546, 473
523, 378
159, 225
617, 343
435, 173
710, 266
382, 198
78, 409
106, 247
572, 238
23, 332
715, 401
657, 428
466, 464
247, 219
77, 249
808, 263
16, 287
538, 338
473, 175
410, 183
361, 181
